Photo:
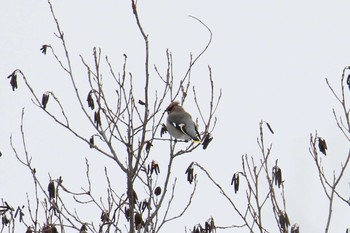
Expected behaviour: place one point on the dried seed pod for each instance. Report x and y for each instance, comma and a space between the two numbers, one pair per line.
163, 130
5, 220
143, 205
208, 137
155, 167
198, 229
92, 142
20, 212
277, 175
83, 229
90, 101
105, 216
45, 99
207, 227
212, 224
60, 180
97, 118
322, 145
294, 228
235, 181
158, 191
141, 102
287, 223
49, 229
283, 220
43, 48
30, 229
148, 169
127, 214
13, 80
134, 195
148, 146
189, 172
138, 221
269, 127
52, 190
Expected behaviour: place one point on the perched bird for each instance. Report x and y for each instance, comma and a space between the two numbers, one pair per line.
180, 124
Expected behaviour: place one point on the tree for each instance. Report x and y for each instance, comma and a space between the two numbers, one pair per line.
265, 196
125, 120
330, 184
265, 185
124, 124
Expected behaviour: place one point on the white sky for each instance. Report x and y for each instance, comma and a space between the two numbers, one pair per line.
270, 59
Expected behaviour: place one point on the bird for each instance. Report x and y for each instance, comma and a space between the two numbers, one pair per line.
180, 124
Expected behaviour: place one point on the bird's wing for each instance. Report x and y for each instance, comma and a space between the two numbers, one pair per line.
195, 137
180, 127
182, 124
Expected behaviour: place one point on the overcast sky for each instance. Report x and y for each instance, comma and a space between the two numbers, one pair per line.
270, 58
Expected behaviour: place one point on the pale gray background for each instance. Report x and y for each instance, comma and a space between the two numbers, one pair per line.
270, 59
